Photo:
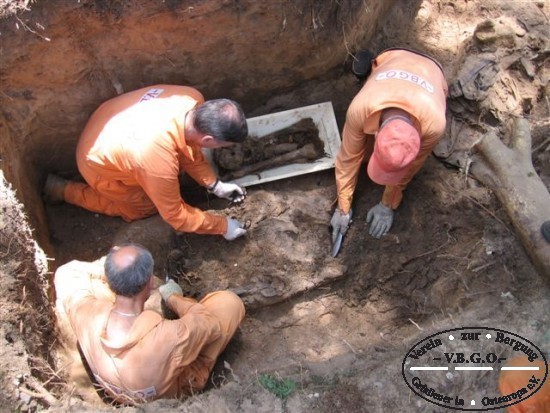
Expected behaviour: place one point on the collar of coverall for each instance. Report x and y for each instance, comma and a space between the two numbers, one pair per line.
393, 117
147, 321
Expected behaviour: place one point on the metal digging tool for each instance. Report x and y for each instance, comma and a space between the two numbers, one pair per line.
338, 243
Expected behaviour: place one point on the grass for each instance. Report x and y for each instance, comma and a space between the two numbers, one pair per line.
281, 388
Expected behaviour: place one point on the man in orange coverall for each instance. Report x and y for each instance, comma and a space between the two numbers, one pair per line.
394, 122
136, 355
135, 145
511, 381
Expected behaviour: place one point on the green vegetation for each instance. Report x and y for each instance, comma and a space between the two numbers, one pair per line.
279, 387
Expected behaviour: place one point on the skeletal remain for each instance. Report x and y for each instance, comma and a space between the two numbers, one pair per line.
304, 154
258, 149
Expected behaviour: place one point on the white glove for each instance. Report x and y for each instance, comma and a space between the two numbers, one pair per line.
382, 220
171, 287
227, 190
340, 223
234, 229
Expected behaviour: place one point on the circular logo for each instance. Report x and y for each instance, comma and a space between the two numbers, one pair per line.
474, 368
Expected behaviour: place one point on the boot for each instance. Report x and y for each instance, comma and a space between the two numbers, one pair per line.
54, 189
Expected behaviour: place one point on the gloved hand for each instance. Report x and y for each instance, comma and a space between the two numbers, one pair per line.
382, 220
234, 229
340, 223
171, 287
227, 190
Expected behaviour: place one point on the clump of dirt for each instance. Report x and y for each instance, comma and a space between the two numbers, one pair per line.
342, 397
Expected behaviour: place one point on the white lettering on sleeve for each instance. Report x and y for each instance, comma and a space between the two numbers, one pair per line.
151, 94
409, 77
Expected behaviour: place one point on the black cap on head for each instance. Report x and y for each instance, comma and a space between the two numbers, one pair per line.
362, 64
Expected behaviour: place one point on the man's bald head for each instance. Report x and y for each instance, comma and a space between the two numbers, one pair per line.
223, 119
125, 256
128, 268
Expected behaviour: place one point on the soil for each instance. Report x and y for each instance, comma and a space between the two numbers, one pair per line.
339, 328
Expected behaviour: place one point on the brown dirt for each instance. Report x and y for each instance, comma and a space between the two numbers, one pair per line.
339, 328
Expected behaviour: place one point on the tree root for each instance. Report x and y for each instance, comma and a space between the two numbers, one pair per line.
509, 172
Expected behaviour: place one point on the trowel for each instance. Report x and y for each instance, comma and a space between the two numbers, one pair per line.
339, 238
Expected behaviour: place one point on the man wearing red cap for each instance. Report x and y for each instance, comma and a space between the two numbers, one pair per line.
394, 122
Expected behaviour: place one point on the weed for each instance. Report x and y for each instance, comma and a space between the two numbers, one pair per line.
279, 387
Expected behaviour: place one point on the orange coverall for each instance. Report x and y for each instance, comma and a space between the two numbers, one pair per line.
131, 153
511, 381
399, 79
160, 358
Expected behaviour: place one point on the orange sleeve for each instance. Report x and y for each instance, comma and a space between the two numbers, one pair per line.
164, 191
180, 305
349, 158
199, 168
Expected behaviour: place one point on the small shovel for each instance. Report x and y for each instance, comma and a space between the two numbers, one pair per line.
339, 238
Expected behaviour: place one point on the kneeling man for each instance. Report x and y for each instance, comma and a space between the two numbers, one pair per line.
136, 355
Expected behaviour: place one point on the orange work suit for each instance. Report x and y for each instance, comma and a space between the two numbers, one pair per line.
512, 381
131, 153
399, 79
160, 357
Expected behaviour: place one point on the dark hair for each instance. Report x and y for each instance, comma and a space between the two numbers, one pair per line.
128, 278
222, 119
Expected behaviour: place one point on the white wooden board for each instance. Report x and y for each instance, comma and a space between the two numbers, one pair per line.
323, 117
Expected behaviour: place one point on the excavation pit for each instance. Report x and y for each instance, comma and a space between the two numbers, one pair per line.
336, 327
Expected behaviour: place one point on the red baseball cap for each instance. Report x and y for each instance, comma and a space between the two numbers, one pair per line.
396, 145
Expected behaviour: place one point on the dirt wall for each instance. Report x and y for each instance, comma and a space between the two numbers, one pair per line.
26, 318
